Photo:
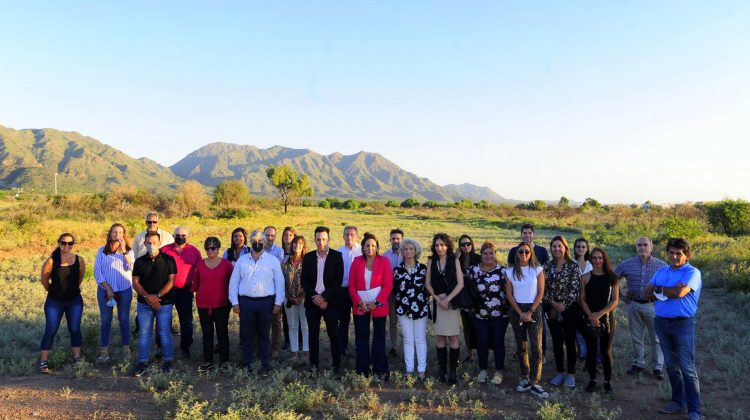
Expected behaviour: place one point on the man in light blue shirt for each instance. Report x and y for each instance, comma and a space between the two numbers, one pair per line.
270, 247
256, 291
677, 289
350, 250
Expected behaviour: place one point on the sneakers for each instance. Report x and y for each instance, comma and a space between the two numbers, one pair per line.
206, 367
497, 379
591, 387
658, 375
44, 367
139, 369
558, 379
570, 381
694, 416
166, 367
523, 386
103, 358
673, 408
482, 377
539, 392
607, 388
634, 370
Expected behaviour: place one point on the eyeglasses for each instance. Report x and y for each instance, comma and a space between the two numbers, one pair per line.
180, 236
211, 248
465, 244
523, 252
63, 243
151, 222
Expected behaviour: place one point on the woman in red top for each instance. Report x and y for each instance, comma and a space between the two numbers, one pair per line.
211, 287
368, 273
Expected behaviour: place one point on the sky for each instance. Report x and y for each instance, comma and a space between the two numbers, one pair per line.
622, 101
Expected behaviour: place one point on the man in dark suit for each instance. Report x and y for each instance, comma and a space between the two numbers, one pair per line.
321, 277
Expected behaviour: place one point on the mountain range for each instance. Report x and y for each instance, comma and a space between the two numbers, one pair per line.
30, 158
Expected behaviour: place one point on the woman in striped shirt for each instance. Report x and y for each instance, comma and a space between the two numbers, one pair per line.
113, 271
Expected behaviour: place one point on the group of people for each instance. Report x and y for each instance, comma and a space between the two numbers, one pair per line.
570, 292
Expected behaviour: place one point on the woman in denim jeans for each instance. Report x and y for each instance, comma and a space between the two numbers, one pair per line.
524, 289
62, 275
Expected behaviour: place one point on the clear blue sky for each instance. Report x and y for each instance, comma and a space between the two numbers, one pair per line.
623, 101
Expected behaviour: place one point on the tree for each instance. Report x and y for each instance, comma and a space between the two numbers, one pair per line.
409, 203
291, 186
562, 209
591, 203
537, 205
564, 202
231, 193
730, 216
190, 198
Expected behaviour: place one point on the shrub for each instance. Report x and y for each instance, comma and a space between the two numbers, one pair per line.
737, 277
392, 203
232, 213
732, 217
431, 204
350, 204
231, 193
409, 203
680, 227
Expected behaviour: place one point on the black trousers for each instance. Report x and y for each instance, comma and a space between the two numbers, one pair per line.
215, 319
605, 346
563, 333
330, 316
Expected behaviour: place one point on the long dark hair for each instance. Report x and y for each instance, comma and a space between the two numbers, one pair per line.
587, 255
448, 243
56, 254
607, 267
233, 254
533, 262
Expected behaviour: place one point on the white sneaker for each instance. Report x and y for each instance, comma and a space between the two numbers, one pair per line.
497, 379
523, 386
539, 392
103, 358
482, 377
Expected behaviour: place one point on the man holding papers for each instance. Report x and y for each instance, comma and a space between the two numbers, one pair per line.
370, 284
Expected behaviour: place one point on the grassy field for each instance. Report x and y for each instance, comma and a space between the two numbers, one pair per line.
28, 235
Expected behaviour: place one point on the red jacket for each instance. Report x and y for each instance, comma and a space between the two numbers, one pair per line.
382, 276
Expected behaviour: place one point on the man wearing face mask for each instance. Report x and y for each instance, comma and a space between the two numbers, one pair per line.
186, 257
153, 278
256, 291
393, 257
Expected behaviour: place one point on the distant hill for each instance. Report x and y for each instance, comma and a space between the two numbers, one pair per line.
477, 193
30, 158
362, 175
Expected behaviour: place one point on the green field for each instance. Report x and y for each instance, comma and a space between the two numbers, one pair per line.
29, 230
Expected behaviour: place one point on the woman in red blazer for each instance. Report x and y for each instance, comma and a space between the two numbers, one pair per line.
369, 272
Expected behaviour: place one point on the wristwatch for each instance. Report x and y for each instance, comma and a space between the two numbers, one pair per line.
158, 295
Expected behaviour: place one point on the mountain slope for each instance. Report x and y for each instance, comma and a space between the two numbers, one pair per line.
362, 175
30, 158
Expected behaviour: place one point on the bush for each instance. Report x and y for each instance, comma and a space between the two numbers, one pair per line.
409, 203
392, 203
465, 204
732, 217
737, 278
679, 227
232, 213
231, 193
431, 204
350, 204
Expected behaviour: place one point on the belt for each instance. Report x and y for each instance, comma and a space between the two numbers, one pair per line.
677, 318
257, 298
641, 300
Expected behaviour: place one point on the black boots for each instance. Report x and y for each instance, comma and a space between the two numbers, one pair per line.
442, 355
453, 364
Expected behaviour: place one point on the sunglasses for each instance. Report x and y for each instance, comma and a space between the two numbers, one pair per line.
152, 222
466, 244
524, 252
63, 243
212, 248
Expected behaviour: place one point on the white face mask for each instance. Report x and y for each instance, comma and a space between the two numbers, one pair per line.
152, 250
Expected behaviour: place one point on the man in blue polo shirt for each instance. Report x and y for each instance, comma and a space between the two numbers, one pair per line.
676, 289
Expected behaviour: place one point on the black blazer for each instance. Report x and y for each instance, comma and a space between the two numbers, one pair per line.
333, 276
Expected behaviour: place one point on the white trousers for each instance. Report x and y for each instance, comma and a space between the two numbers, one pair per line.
414, 332
296, 318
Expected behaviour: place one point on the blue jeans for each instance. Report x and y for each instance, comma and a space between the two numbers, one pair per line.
53, 312
362, 340
146, 315
255, 328
491, 331
124, 300
677, 339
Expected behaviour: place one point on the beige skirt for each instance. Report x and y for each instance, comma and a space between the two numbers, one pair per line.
448, 322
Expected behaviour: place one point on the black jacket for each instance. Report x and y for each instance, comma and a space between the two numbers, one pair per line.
333, 276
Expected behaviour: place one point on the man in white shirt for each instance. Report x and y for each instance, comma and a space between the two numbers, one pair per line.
256, 291
270, 247
350, 250
395, 259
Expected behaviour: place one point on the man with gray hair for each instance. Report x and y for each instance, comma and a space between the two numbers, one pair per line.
638, 272
350, 250
256, 291
186, 258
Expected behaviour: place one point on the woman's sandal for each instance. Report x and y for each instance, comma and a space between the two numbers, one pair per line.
44, 367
